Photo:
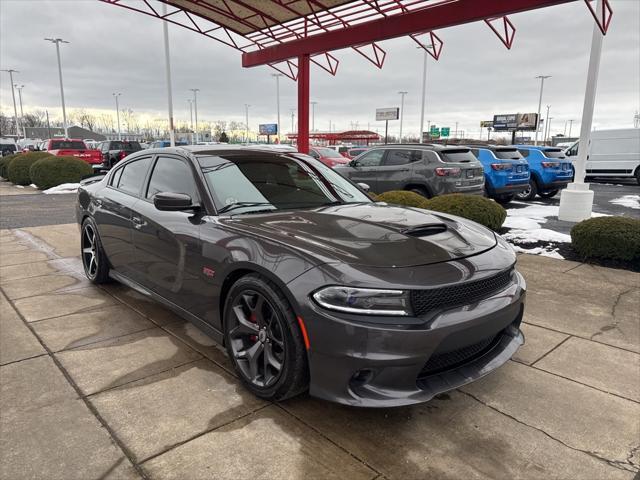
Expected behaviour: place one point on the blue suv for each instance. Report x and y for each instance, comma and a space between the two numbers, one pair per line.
550, 171
505, 171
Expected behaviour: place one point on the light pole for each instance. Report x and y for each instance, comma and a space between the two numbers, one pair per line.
58, 41
19, 88
195, 108
293, 116
402, 94
313, 115
546, 125
167, 64
570, 125
277, 77
548, 139
246, 116
13, 94
191, 118
542, 79
116, 95
424, 90
455, 132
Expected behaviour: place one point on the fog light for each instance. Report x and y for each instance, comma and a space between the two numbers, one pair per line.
361, 377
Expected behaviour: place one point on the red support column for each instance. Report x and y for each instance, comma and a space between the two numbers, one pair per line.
303, 103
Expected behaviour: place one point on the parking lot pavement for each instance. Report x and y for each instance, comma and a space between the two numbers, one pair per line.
101, 382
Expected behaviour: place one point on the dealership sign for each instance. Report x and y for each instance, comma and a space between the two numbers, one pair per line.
383, 114
515, 121
268, 128
486, 124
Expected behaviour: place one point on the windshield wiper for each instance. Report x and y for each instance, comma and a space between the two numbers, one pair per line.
233, 206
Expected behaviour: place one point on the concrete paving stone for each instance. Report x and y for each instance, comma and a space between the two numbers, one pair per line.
144, 305
538, 341
16, 340
121, 360
162, 410
76, 330
62, 441
29, 287
13, 272
527, 263
268, 444
607, 368
449, 438
577, 415
603, 274
13, 247
63, 239
31, 384
19, 258
200, 341
41, 307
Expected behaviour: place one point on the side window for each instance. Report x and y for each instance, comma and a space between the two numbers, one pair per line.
115, 177
314, 154
171, 175
524, 152
476, 152
398, 157
132, 176
371, 159
431, 156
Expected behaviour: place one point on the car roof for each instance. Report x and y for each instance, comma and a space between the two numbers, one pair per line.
538, 147
422, 146
493, 147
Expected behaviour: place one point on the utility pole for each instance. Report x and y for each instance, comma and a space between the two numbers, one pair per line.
13, 95
58, 41
546, 126
277, 77
195, 108
116, 95
313, 115
167, 64
191, 119
246, 116
19, 88
424, 90
402, 94
542, 79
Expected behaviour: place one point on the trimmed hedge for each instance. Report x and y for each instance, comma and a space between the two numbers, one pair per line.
404, 198
53, 171
615, 238
4, 165
18, 168
474, 207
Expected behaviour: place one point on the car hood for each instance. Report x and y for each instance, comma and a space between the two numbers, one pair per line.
371, 234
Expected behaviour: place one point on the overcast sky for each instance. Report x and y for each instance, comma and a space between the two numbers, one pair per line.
116, 50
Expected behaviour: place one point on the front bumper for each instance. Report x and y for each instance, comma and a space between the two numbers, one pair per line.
378, 364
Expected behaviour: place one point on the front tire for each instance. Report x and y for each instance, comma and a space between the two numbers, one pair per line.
263, 339
548, 193
94, 260
530, 193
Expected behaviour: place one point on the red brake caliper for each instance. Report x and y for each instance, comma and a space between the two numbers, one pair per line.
253, 319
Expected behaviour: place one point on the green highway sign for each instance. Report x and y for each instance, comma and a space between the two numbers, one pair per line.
445, 131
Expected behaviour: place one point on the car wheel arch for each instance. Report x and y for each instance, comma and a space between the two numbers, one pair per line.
420, 186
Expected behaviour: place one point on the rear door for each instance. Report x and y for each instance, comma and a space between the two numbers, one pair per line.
366, 168
115, 210
167, 245
395, 172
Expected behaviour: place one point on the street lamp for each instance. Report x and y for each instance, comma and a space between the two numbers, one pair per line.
546, 125
549, 138
570, 125
246, 116
191, 118
195, 108
542, 79
15, 109
402, 94
167, 65
116, 95
277, 77
19, 88
293, 116
424, 89
313, 115
58, 41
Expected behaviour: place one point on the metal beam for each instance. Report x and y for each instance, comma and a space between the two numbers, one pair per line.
303, 104
440, 15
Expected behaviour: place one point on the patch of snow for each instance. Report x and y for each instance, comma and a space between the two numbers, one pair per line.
33, 185
537, 235
630, 201
553, 253
520, 223
64, 188
19, 186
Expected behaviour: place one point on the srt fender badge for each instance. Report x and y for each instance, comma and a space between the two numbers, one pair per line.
208, 272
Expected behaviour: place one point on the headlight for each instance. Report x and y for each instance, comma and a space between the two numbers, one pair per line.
364, 301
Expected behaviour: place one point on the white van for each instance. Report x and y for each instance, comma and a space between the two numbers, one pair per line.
7, 146
612, 154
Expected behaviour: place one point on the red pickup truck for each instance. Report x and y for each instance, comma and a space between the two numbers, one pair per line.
76, 148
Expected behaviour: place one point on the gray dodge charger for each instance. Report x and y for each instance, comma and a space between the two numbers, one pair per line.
308, 284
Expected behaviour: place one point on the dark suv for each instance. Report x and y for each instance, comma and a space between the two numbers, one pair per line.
429, 170
115, 150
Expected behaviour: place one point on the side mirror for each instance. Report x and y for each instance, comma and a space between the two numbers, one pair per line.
354, 163
172, 202
364, 187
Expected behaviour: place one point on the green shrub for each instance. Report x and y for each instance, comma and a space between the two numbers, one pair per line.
616, 238
53, 171
4, 165
404, 198
474, 207
18, 168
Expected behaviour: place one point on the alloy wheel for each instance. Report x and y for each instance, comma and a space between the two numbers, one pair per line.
525, 193
257, 338
89, 250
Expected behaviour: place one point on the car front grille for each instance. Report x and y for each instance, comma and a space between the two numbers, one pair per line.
425, 301
449, 360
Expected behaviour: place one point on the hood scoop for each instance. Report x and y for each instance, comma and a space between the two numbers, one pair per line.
425, 230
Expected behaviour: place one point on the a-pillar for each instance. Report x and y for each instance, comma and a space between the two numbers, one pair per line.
303, 103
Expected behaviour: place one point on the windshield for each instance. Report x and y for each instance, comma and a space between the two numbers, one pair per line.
68, 145
257, 182
555, 153
457, 156
135, 146
328, 153
507, 154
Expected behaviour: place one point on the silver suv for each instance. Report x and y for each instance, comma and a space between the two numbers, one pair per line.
429, 170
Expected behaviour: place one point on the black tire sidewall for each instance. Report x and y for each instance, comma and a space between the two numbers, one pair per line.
102, 274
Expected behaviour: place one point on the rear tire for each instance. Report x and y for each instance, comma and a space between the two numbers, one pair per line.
420, 191
94, 260
504, 199
529, 193
263, 339
548, 193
